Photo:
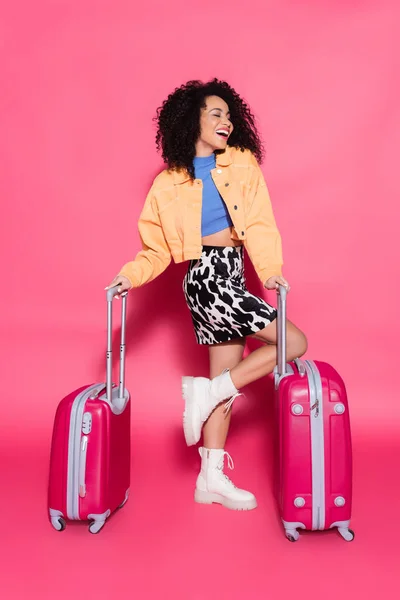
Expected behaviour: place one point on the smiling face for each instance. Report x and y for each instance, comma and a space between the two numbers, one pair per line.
215, 126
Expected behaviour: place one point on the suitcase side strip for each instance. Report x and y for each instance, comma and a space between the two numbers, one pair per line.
74, 447
317, 446
320, 397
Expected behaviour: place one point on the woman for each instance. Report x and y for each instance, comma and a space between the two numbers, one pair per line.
210, 202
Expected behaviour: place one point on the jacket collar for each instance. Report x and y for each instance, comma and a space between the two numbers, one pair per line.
223, 159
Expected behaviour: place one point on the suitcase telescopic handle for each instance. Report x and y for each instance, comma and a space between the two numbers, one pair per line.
111, 293
281, 327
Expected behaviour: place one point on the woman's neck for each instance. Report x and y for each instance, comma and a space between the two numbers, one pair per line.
203, 150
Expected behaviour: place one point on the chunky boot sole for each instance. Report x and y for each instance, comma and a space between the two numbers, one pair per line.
191, 417
210, 498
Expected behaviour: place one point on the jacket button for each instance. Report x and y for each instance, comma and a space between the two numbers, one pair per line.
242, 232
235, 207
226, 185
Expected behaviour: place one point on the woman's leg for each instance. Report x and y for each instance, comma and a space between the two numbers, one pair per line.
222, 356
212, 483
202, 396
263, 360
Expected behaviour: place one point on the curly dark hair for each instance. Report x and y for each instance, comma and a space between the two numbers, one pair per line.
178, 122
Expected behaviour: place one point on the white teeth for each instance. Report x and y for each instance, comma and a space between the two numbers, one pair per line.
222, 132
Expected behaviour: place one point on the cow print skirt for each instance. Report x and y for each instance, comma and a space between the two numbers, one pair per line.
222, 308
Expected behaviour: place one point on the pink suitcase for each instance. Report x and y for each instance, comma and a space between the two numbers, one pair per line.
90, 452
313, 444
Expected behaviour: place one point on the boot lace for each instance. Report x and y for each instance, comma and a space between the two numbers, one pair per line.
231, 466
228, 405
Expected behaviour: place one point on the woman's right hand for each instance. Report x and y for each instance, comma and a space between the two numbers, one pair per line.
122, 282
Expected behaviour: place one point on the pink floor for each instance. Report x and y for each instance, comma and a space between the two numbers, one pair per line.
163, 545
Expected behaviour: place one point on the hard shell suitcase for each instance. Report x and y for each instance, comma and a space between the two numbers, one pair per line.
90, 452
313, 444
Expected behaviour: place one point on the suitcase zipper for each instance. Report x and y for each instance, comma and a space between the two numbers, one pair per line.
316, 408
317, 446
74, 449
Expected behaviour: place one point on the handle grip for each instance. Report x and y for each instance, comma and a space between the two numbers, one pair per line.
111, 293
281, 327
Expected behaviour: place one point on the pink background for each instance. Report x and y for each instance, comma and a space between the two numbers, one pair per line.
81, 82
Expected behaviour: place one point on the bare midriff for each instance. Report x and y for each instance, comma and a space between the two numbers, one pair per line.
221, 238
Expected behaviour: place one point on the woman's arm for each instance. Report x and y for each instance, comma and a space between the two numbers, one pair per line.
263, 240
155, 255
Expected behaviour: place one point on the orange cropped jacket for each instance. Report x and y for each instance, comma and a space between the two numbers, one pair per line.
170, 222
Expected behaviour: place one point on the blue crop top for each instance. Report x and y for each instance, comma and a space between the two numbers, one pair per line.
214, 214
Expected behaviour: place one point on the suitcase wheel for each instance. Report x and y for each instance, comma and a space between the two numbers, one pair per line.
96, 526
292, 535
58, 523
347, 534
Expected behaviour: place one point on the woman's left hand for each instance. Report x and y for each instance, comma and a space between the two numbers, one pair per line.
274, 282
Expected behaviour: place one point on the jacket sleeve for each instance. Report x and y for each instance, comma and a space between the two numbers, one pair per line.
155, 255
263, 240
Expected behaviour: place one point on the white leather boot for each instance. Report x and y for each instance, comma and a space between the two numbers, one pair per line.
201, 397
214, 486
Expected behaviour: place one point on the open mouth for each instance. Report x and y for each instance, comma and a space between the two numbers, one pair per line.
223, 133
